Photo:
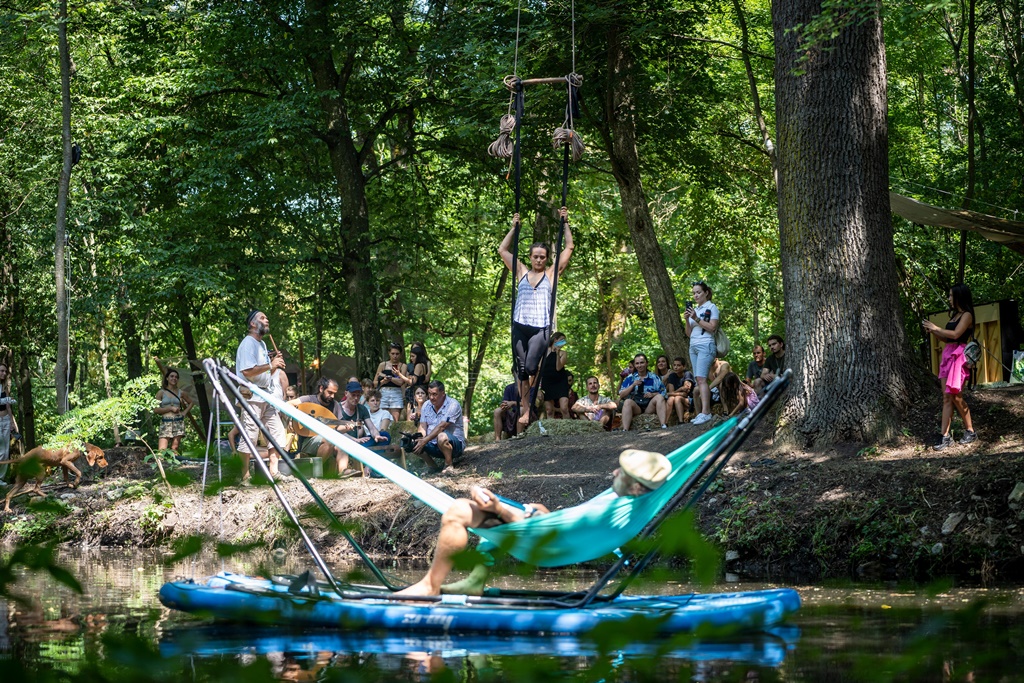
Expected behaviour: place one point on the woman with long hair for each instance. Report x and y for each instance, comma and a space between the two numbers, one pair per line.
414, 411
661, 368
390, 380
737, 397
953, 370
701, 323
531, 319
172, 409
418, 369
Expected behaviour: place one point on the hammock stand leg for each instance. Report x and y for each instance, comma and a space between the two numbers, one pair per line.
216, 374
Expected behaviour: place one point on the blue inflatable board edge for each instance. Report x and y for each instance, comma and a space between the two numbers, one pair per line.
243, 599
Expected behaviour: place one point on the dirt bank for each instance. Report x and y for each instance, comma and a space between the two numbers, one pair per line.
903, 511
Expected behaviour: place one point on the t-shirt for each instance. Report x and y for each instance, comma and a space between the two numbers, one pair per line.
601, 400
450, 412
707, 312
753, 370
677, 382
776, 365
378, 417
251, 353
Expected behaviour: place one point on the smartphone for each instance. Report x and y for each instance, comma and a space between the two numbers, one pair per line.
689, 304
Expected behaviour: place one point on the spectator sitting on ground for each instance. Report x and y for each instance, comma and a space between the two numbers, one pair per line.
573, 396
381, 417
595, 407
662, 369
775, 365
291, 393
679, 386
642, 393
754, 369
506, 415
737, 397
355, 418
414, 411
441, 433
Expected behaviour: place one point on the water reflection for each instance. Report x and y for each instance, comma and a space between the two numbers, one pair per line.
842, 634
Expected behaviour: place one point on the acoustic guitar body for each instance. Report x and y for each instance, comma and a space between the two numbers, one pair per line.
321, 414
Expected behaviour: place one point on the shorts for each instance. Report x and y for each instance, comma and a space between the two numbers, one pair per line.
171, 427
641, 401
391, 398
953, 367
434, 451
701, 358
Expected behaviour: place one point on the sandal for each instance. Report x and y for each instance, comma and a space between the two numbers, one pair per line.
348, 474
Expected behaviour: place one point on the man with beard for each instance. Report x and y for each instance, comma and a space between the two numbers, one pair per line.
316, 445
254, 362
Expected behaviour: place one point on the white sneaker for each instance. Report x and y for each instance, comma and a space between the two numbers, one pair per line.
701, 419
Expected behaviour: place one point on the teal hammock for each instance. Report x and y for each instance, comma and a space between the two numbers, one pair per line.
581, 533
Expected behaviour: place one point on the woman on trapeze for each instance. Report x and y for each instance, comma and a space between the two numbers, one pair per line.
531, 319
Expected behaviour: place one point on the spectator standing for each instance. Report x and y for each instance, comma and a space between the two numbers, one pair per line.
594, 406
419, 370
391, 382
953, 370
701, 323
554, 383
679, 389
254, 362
441, 431
642, 393
172, 409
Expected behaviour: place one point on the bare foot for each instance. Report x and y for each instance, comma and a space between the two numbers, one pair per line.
421, 587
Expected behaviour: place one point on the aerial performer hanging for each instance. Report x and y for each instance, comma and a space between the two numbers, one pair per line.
535, 286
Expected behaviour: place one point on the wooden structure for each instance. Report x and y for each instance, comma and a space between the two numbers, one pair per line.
997, 329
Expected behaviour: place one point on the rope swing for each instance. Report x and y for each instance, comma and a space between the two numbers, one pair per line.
508, 145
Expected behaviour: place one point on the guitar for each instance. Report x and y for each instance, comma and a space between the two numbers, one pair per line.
322, 415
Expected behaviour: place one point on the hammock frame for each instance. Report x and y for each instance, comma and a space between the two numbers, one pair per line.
226, 385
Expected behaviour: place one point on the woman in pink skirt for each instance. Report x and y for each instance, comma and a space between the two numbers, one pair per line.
953, 370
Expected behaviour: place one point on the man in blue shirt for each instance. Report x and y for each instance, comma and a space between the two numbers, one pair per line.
440, 427
642, 393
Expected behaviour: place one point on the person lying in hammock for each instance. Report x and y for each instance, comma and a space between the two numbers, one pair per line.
639, 472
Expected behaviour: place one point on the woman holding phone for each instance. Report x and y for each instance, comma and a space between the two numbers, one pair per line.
701, 323
953, 370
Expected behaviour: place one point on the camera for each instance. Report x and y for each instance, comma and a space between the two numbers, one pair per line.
409, 441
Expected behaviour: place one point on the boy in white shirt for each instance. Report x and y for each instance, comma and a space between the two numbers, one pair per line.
381, 418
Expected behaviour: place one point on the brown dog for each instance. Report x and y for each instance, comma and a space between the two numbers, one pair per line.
48, 459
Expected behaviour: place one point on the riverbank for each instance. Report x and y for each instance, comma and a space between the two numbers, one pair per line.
898, 512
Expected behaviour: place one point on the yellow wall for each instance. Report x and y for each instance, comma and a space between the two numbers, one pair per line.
988, 333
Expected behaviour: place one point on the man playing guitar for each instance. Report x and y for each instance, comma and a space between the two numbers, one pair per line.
350, 419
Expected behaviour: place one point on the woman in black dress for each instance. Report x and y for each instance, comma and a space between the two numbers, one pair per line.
554, 380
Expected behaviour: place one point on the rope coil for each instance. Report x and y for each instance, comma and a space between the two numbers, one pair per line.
567, 136
503, 147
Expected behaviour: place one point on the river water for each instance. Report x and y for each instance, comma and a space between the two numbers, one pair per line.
118, 630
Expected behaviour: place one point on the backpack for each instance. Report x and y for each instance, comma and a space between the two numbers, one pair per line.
721, 342
972, 353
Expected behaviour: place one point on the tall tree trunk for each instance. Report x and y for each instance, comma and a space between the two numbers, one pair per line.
620, 141
350, 182
1011, 24
972, 114
193, 362
26, 407
845, 339
63, 187
130, 336
485, 341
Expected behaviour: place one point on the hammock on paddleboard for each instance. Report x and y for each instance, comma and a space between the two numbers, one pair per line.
580, 533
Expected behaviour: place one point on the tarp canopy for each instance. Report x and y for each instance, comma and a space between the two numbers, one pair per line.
1005, 232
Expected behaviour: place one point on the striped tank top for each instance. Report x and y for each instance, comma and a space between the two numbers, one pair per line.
533, 303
